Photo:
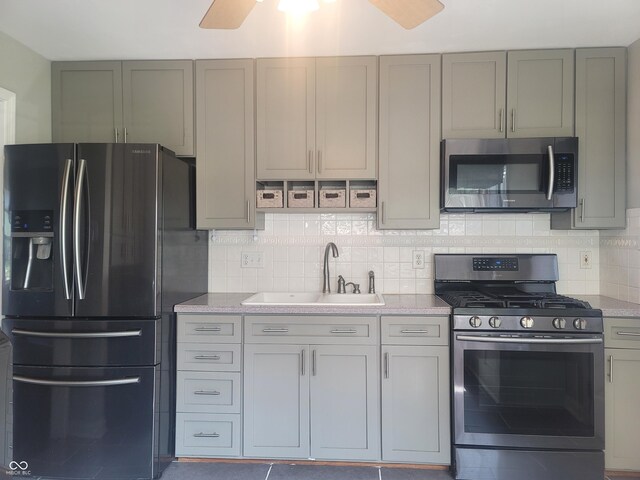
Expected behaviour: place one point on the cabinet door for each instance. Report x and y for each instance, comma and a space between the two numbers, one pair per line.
345, 411
415, 404
346, 116
86, 102
408, 181
285, 118
158, 103
276, 401
622, 422
474, 89
540, 92
225, 151
601, 123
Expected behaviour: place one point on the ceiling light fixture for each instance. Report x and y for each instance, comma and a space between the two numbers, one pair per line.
300, 7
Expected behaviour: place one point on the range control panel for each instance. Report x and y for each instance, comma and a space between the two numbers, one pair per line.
495, 264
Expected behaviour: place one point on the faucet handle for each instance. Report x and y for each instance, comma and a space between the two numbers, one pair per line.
341, 284
356, 288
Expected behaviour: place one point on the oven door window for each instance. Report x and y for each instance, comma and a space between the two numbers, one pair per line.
497, 174
529, 393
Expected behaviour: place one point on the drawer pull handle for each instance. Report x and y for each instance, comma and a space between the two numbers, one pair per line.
206, 435
414, 331
206, 392
207, 357
275, 330
344, 330
208, 329
628, 334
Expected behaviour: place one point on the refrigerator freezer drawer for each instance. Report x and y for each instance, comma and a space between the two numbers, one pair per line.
93, 423
83, 342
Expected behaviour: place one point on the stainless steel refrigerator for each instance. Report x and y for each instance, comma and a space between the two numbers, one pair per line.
99, 245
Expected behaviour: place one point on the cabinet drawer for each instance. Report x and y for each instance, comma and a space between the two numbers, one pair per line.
201, 328
208, 392
315, 329
622, 332
399, 330
209, 357
207, 435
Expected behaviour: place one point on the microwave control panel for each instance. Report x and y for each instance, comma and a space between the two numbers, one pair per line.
564, 173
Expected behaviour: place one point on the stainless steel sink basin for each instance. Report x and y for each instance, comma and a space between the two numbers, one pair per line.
314, 299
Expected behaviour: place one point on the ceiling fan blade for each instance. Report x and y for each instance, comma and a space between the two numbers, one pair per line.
227, 14
409, 13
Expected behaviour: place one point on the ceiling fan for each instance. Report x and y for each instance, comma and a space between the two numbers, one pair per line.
229, 14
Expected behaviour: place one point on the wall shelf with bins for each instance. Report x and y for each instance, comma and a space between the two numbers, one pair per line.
316, 196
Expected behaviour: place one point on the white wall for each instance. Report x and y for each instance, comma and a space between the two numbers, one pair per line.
28, 75
292, 247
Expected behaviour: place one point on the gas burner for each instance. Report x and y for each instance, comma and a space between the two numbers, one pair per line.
496, 299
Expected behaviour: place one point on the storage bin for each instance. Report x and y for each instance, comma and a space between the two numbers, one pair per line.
362, 198
269, 198
300, 198
333, 198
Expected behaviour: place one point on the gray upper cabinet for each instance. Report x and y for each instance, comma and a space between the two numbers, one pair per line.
158, 103
525, 93
135, 101
408, 178
225, 146
316, 118
86, 101
540, 86
473, 95
601, 123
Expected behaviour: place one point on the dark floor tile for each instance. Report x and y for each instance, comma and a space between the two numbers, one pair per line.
322, 472
415, 474
215, 471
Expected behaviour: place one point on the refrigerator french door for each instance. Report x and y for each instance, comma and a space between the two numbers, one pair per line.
83, 237
89, 229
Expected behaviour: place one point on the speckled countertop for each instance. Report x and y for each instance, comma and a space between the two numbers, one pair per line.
394, 305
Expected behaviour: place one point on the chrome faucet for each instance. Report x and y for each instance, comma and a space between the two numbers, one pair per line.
372, 282
326, 285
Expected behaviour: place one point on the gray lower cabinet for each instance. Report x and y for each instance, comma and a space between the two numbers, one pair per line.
209, 386
525, 93
147, 101
622, 391
415, 390
225, 174
311, 400
409, 142
601, 123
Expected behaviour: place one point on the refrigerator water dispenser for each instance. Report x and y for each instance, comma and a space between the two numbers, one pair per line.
31, 257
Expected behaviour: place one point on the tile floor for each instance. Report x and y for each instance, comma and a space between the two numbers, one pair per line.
259, 471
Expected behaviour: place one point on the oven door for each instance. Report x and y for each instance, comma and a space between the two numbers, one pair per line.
525, 391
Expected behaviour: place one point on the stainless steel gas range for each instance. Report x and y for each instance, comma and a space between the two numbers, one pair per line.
527, 370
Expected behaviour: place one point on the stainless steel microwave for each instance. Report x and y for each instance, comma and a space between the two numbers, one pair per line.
514, 174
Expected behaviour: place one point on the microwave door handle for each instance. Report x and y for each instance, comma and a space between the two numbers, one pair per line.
552, 172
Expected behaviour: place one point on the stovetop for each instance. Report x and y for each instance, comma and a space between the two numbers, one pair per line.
509, 297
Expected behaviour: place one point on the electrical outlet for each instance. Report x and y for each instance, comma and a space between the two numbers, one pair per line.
418, 259
251, 260
585, 259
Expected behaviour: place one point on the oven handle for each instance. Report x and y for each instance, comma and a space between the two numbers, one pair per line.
473, 338
83, 383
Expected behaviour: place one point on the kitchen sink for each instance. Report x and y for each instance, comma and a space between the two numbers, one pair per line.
314, 299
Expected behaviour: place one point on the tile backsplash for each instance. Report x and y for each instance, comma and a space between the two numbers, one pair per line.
292, 248
620, 257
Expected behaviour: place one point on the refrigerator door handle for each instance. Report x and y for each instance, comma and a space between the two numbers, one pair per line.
77, 254
64, 210
32, 333
82, 383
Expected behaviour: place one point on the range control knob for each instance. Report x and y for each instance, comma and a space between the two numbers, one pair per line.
580, 323
559, 323
475, 322
526, 322
495, 322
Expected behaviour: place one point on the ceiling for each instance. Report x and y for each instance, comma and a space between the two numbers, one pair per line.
166, 29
